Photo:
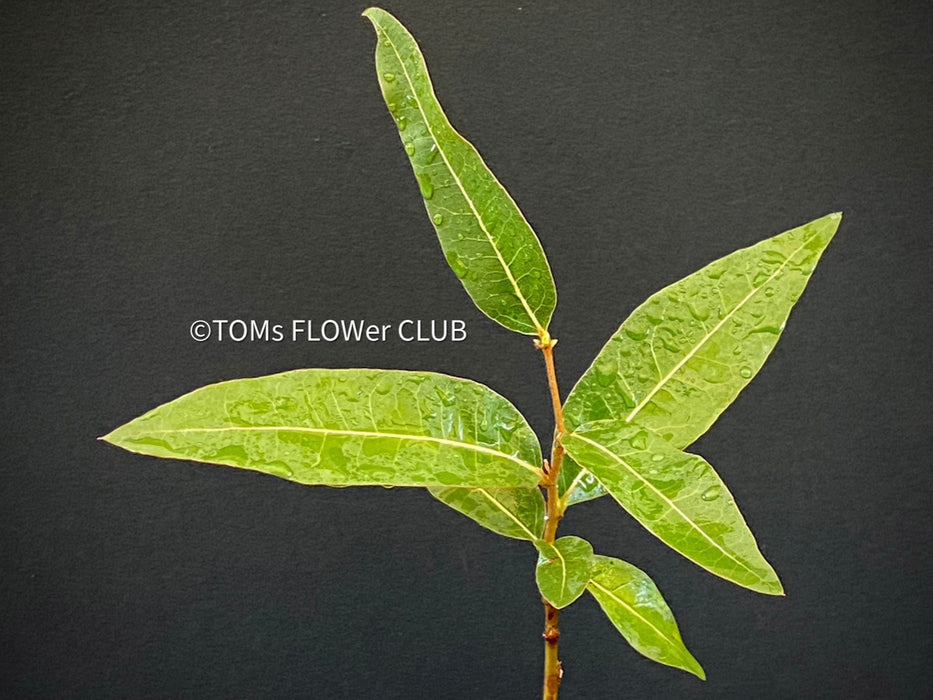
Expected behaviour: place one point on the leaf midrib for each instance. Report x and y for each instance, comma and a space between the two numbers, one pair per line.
479, 218
634, 612
355, 433
650, 395
507, 512
671, 504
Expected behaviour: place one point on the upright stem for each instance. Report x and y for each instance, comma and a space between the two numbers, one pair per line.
552, 667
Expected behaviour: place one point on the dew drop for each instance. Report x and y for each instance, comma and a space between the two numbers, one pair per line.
622, 390
657, 457
715, 273
438, 219
774, 257
699, 313
389, 77
712, 493
654, 315
457, 265
769, 291
410, 148
402, 123
605, 371
746, 372
639, 442
424, 184
635, 334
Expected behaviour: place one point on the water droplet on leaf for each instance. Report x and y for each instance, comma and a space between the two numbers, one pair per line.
424, 184
712, 493
635, 334
746, 372
457, 265
410, 148
605, 371
389, 77
438, 219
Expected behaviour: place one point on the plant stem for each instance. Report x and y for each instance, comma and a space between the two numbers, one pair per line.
552, 667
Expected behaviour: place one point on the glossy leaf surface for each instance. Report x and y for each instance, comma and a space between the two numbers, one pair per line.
682, 357
563, 569
677, 496
635, 607
485, 238
347, 427
577, 485
517, 513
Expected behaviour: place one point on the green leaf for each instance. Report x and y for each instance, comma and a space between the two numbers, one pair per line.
484, 235
576, 485
517, 513
635, 606
347, 427
677, 496
682, 357
563, 569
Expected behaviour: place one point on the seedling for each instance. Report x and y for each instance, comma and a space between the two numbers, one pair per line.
658, 384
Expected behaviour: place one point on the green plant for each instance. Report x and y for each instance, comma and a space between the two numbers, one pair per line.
659, 383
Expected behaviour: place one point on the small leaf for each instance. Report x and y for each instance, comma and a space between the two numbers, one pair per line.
517, 513
677, 496
682, 357
563, 569
347, 427
485, 238
634, 605
576, 485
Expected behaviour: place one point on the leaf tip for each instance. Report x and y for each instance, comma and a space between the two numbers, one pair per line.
769, 586
117, 437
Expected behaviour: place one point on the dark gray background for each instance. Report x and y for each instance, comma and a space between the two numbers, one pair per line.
163, 164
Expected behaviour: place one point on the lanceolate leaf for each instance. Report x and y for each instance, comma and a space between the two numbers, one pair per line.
563, 569
682, 357
635, 606
349, 427
677, 496
485, 237
517, 513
